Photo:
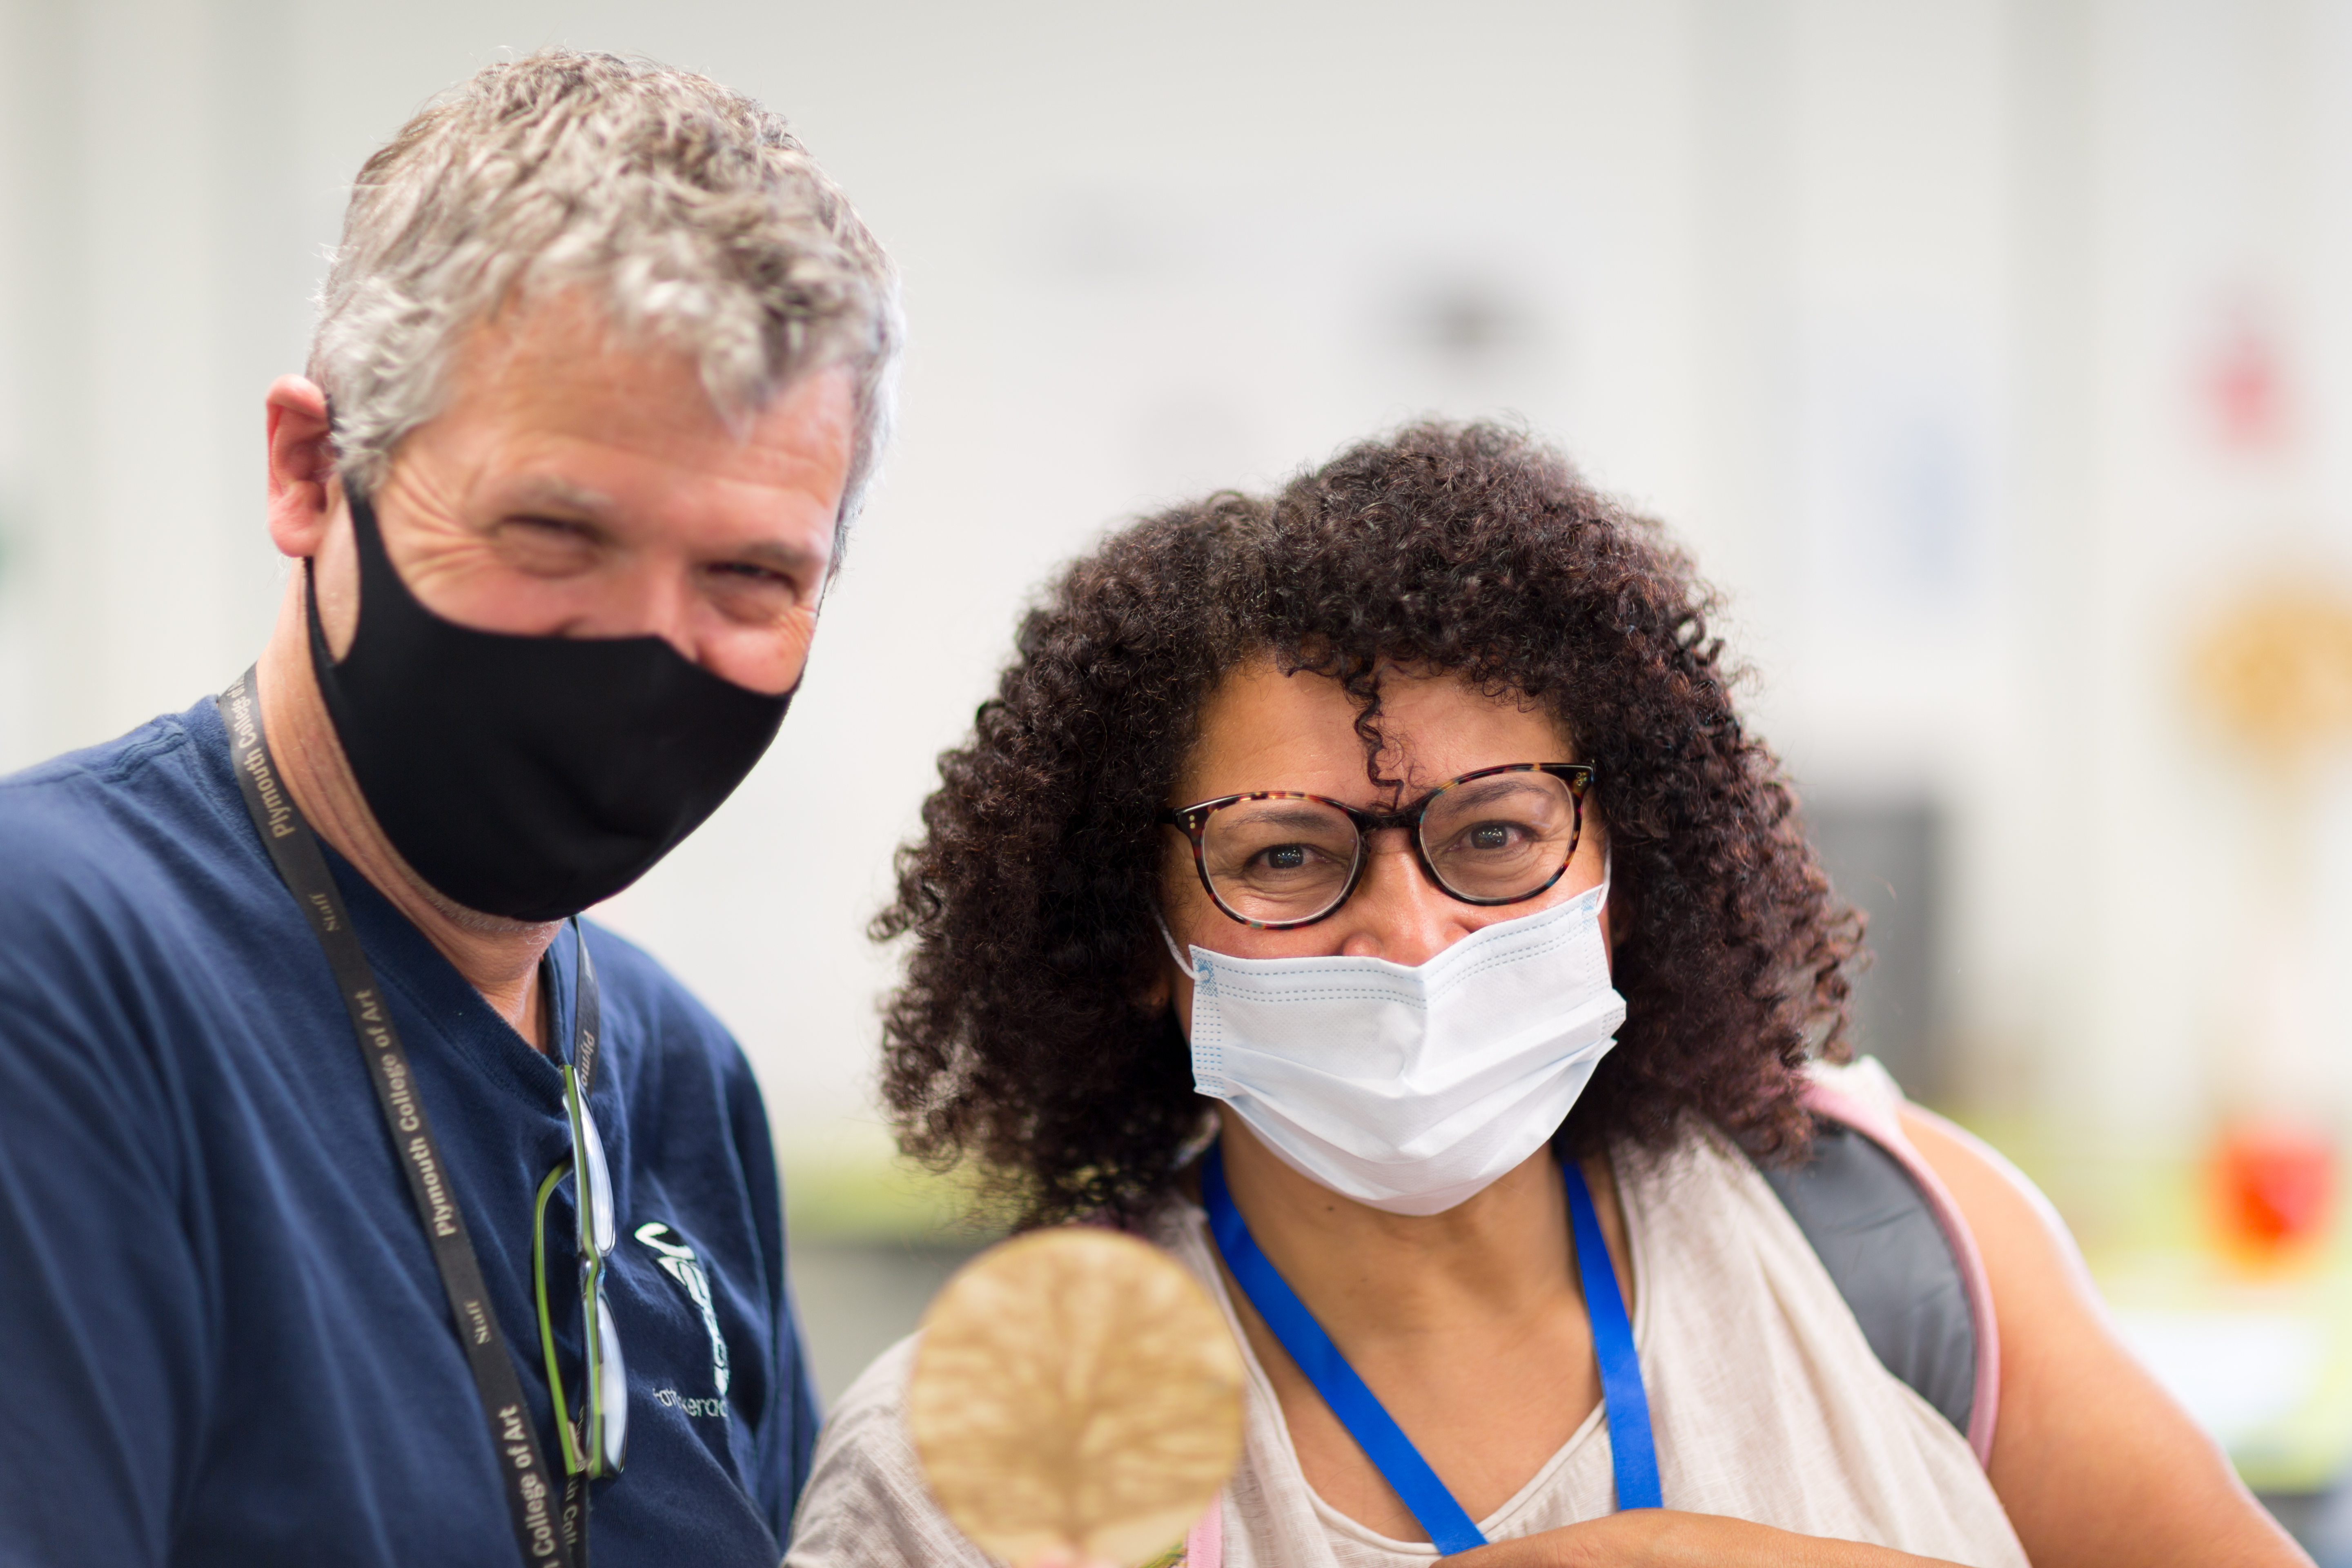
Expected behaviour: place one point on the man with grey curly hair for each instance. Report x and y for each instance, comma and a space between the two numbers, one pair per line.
360, 1203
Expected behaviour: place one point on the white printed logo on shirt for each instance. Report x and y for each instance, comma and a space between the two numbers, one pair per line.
677, 1260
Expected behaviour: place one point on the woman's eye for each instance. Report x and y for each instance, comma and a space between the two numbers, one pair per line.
1490, 836
1285, 857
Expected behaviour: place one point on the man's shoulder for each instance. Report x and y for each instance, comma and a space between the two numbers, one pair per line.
109, 857
86, 833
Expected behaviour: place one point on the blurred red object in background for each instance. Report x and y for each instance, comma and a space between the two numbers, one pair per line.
2275, 1185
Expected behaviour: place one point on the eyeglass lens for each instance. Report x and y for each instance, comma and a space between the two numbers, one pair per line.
1279, 859
597, 1233
607, 1395
613, 1406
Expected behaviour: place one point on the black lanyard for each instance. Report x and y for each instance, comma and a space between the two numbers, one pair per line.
545, 1531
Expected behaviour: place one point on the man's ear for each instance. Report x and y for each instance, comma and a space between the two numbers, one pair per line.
301, 465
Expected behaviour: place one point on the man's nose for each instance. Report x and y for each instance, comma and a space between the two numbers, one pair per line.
653, 599
1398, 913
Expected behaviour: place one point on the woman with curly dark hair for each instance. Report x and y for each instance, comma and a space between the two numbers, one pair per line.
1373, 896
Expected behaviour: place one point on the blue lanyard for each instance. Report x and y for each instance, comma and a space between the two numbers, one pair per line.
1623, 1398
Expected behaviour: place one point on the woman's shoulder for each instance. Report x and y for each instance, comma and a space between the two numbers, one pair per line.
867, 1502
871, 1414
2093, 1459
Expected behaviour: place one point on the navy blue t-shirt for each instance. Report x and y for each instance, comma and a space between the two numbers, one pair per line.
222, 1337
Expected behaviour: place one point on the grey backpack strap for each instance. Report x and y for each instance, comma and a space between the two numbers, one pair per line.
1878, 1236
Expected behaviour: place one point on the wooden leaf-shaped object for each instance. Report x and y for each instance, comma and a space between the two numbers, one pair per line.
1074, 1390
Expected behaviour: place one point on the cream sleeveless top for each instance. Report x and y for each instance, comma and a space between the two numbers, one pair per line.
1766, 1402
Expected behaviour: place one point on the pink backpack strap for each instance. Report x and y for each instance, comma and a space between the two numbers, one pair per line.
1879, 1125
1204, 1543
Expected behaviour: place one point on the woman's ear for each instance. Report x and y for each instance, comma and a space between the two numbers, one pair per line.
1158, 992
1617, 921
1152, 989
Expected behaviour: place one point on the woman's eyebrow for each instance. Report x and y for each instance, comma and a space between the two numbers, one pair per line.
1281, 813
1506, 783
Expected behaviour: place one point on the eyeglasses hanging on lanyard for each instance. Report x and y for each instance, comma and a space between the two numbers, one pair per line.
595, 1442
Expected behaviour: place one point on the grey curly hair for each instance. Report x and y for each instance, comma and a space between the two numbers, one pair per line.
688, 210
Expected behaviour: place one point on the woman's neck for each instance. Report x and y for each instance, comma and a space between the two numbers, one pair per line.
1468, 1326
1372, 1278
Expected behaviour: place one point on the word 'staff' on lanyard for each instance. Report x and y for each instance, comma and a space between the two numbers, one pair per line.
544, 1534
1450, 1530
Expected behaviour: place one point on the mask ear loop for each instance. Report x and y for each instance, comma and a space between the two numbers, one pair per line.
1182, 961
1601, 909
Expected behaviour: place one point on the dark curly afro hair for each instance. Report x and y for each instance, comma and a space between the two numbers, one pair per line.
1024, 1039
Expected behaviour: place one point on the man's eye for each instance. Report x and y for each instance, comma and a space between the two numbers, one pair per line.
747, 572
552, 528
548, 545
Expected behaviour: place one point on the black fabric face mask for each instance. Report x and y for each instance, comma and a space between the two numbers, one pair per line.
528, 776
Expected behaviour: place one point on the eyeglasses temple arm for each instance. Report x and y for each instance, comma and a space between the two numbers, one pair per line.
573, 1461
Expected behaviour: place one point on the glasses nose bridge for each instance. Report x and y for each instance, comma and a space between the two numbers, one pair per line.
1382, 822
1406, 819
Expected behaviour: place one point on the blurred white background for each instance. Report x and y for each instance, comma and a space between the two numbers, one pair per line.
1984, 352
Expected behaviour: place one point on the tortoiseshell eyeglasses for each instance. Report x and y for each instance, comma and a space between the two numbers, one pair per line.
1279, 859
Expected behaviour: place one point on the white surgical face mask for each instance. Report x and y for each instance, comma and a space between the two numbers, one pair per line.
1411, 1087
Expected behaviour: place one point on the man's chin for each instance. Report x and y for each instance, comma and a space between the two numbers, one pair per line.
464, 918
